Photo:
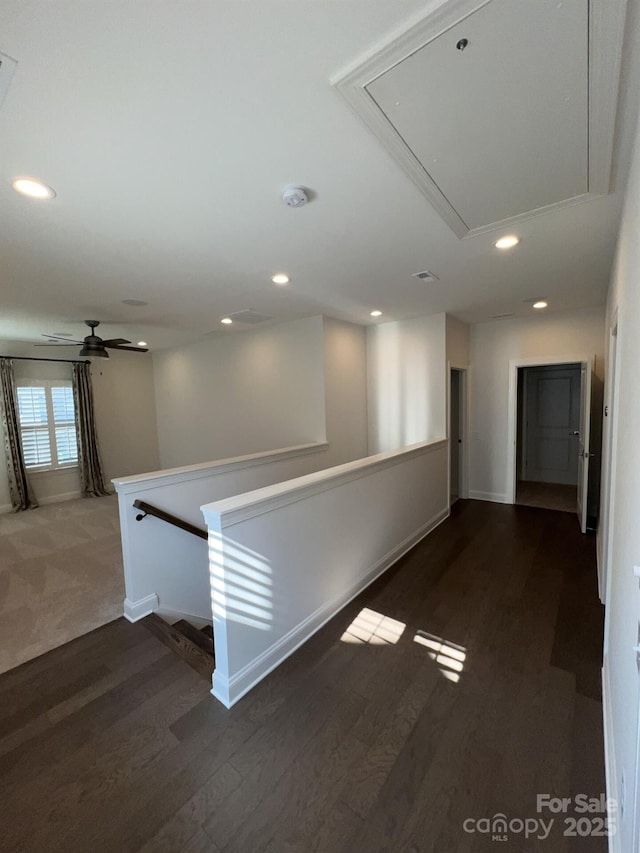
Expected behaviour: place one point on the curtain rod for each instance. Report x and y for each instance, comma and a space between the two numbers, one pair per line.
33, 358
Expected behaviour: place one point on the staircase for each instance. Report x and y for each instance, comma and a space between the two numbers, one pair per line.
194, 645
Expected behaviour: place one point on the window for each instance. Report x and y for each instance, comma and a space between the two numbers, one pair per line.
47, 424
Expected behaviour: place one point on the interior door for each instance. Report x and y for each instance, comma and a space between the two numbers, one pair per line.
552, 423
583, 450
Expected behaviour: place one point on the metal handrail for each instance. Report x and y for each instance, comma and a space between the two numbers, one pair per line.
148, 509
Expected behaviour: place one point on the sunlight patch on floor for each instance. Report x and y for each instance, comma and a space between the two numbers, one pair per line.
448, 656
374, 628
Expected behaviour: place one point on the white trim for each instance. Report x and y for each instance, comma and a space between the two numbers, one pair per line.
611, 776
54, 499
494, 497
172, 476
606, 34
50, 499
512, 407
229, 691
608, 460
238, 508
135, 610
606, 27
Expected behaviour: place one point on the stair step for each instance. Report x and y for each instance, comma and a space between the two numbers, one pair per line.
196, 636
191, 653
208, 630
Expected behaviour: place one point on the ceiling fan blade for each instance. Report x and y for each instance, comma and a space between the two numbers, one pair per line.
114, 342
131, 349
56, 345
66, 340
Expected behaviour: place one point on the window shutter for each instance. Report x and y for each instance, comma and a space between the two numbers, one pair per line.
64, 418
47, 424
62, 399
66, 445
32, 405
32, 410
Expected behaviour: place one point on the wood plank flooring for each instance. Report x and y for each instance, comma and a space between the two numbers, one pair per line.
483, 693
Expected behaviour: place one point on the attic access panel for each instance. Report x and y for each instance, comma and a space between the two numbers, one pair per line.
519, 121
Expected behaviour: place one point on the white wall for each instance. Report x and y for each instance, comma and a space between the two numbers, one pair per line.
623, 596
226, 396
493, 345
165, 567
125, 416
124, 398
277, 575
458, 342
345, 383
406, 382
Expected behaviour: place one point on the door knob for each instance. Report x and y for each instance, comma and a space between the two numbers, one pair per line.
575, 432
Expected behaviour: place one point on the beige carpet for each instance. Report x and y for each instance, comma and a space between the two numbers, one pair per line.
547, 496
60, 575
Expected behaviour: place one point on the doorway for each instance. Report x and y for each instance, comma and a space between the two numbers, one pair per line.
548, 436
457, 443
515, 409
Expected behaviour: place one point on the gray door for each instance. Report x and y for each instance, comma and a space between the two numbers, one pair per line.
552, 424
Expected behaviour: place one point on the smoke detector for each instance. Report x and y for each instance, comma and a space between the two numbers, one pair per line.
295, 196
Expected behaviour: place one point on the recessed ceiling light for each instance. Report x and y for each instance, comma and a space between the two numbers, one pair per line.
227, 321
142, 343
33, 188
507, 242
540, 304
280, 278
137, 302
376, 313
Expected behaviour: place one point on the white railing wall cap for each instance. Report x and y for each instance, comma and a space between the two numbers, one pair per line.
233, 510
168, 476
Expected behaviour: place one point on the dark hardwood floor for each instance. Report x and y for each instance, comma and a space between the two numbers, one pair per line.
479, 690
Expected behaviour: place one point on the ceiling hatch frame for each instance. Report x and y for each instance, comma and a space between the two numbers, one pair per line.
606, 31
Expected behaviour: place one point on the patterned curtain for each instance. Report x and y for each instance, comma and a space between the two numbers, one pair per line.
20, 491
89, 462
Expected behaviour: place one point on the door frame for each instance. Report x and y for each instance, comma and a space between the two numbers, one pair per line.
463, 473
610, 446
512, 426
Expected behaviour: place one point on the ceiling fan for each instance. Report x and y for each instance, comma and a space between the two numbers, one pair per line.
92, 345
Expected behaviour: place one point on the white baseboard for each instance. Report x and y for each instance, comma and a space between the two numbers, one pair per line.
494, 497
136, 610
230, 690
51, 499
55, 499
611, 775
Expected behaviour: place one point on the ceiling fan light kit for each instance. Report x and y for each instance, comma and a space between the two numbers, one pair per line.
94, 346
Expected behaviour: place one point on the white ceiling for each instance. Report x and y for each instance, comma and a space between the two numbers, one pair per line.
168, 130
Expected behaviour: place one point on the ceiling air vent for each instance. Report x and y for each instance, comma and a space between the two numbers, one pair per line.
502, 316
425, 275
251, 318
7, 67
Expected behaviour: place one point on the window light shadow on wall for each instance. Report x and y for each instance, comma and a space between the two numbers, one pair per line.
374, 628
240, 584
449, 657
